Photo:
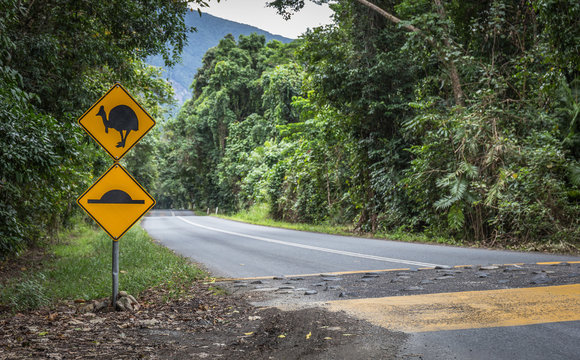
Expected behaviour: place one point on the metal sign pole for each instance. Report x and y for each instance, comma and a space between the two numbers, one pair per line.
115, 272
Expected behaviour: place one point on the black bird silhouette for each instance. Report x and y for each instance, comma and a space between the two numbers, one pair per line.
121, 117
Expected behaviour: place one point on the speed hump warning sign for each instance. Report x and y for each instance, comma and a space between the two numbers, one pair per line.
116, 201
116, 122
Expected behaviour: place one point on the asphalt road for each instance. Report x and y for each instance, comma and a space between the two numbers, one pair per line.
233, 249
543, 330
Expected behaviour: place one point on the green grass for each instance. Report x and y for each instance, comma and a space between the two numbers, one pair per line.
259, 215
82, 269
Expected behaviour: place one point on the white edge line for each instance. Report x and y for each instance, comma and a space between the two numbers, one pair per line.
310, 247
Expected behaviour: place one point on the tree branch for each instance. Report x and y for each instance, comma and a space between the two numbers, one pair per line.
390, 17
453, 73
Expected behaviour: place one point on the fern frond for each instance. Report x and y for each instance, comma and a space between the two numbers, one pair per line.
455, 217
444, 203
574, 175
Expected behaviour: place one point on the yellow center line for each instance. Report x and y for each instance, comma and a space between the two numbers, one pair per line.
468, 310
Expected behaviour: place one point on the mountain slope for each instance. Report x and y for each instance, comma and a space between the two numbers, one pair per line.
210, 30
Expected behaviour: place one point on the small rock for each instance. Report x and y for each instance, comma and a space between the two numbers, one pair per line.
320, 284
541, 279
370, 276
286, 287
397, 280
413, 288
334, 287
482, 274
310, 292
489, 267
444, 267
513, 269
258, 282
278, 278
403, 274
344, 294
364, 280
127, 302
265, 289
297, 278
328, 275
124, 304
240, 285
549, 272
444, 277
425, 282
331, 279
254, 318
572, 275
450, 272
403, 277
133, 300
300, 289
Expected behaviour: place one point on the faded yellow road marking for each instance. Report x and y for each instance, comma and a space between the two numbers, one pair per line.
468, 310
317, 274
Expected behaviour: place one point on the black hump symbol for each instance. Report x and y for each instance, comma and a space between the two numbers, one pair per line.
115, 197
121, 118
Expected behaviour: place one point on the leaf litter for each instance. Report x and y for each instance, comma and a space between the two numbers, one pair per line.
203, 324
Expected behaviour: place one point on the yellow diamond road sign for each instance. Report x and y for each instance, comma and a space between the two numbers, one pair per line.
116, 201
117, 122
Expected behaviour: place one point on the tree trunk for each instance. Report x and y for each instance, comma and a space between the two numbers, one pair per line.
453, 73
450, 64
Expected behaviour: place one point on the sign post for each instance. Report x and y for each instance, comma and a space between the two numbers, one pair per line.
115, 272
116, 201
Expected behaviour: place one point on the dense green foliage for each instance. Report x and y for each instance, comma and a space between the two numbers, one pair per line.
460, 121
56, 59
363, 123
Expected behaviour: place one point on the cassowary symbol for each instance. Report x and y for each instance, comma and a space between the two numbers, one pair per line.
121, 118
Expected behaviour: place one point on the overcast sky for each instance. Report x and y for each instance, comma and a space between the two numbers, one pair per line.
255, 13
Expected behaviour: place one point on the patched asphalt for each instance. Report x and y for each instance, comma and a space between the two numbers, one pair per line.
288, 290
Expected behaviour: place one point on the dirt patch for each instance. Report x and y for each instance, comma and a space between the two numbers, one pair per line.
205, 324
